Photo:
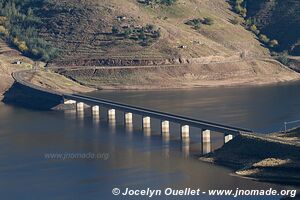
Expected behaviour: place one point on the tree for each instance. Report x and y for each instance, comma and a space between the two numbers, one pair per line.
263, 38
114, 30
23, 47
273, 43
3, 31
254, 29
243, 12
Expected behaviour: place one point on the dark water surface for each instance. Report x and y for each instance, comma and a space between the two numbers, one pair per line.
262, 109
135, 159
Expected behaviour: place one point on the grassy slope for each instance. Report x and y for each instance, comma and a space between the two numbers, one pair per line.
79, 29
279, 20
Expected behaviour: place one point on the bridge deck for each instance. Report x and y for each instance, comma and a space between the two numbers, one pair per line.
157, 114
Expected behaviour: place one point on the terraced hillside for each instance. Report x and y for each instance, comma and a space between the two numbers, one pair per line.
88, 32
280, 20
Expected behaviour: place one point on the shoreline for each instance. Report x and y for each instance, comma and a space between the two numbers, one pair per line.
243, 73
196, 86
272, 158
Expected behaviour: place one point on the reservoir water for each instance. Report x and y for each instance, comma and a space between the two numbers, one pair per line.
130, 157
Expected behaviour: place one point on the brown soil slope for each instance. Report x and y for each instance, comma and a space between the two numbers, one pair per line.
82, 29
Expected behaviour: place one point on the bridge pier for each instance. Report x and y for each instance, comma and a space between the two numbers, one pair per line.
206, 148
165, 127
206, 136
227, 138
80, 106
95, 110
185, 132
146, 122
111, 115
69, 102
128, 118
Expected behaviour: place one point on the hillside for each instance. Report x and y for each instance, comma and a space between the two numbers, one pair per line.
279, 20
83, 30
43, 78
197, 42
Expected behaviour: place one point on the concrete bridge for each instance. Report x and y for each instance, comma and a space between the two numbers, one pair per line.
185, 123
96, 104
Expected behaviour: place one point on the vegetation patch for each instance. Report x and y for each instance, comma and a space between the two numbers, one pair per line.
157, 2
196, 23
19, 25
250, 23
145, 35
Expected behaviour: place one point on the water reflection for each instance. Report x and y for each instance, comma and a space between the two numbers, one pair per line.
147, 131
70, 113
166, 137
80, 114
96, 122
112, 124
185, 147
133, 160
129, 127
206, 147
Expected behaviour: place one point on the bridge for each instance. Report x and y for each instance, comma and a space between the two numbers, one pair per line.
83, 102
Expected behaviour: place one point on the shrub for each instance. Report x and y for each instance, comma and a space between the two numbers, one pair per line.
23, 47
194, 22
114, 30
237, 20
3, 31
167, 2
273, 43
250, 21
263, 38
283, 58
254, 29
3, 20
243, 12
153, 2
208, 21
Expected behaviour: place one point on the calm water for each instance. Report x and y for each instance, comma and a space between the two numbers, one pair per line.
136, 159
263, 109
